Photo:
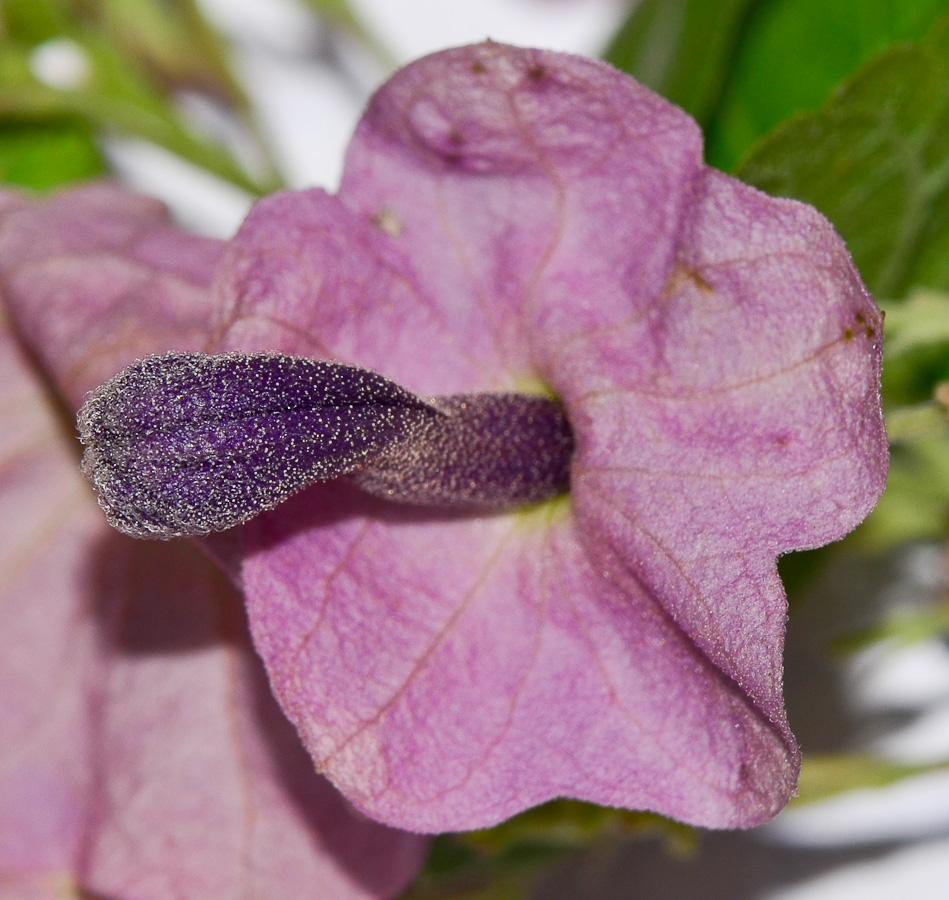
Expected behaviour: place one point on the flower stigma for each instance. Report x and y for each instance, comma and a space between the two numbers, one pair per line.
183, 444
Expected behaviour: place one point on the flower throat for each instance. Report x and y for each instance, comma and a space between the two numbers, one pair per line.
191, 443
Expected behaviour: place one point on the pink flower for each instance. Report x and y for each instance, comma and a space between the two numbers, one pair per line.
516, 220
520, 221
142, 756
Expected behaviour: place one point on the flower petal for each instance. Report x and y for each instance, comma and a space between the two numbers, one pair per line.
748, 393
307, 277
455, 695
515, 215
537, 195
473, 172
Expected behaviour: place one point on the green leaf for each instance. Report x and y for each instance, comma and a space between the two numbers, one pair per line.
916, 359
681, 48
824, 776
920, 322
171, 40
46, 154
899, 627
915, 504
906, 424
793, 52
572, 824
116, 97
875, 160
140, 54
502, 863
32, 21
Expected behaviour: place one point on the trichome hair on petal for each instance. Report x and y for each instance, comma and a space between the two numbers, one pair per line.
189, 443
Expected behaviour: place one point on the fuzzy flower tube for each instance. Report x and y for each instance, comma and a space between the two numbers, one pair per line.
520, 237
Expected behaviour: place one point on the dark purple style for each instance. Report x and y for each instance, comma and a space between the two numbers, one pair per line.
190, 443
